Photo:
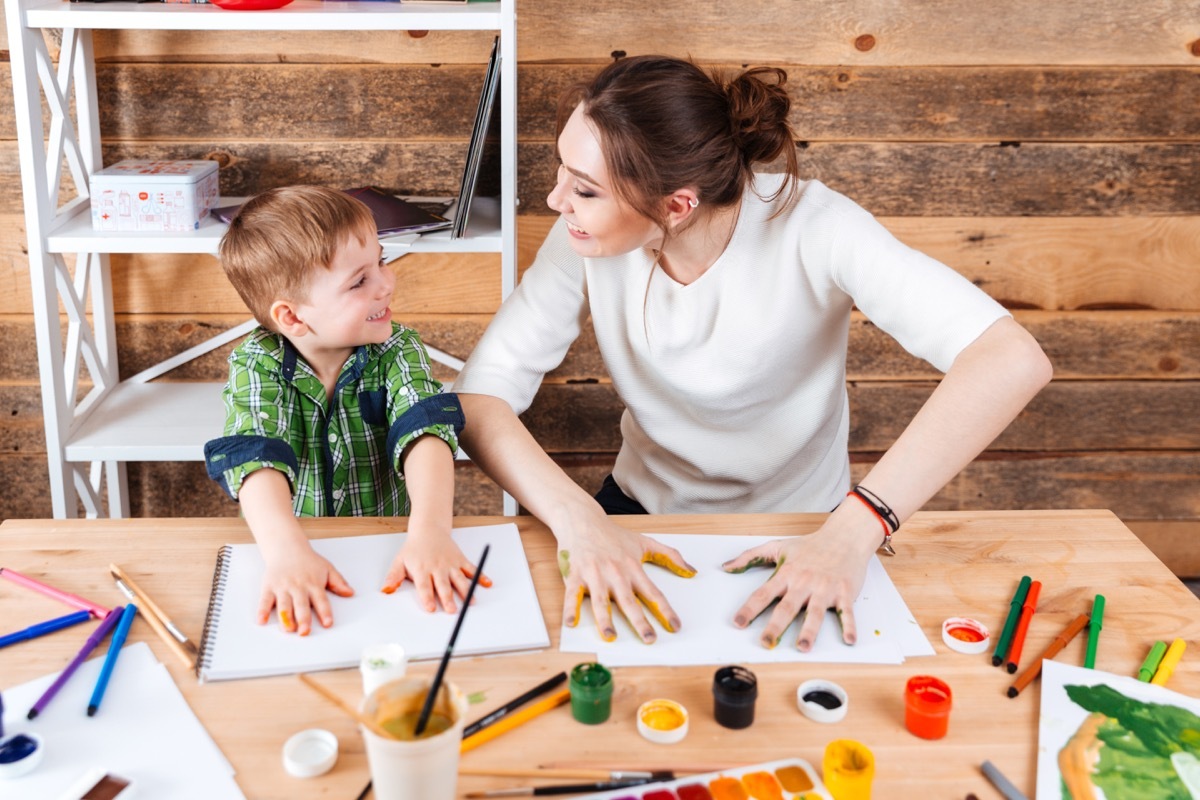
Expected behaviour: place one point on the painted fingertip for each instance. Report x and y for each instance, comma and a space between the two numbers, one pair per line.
804, 645
390, 589
649, 637
608, 635
739, 621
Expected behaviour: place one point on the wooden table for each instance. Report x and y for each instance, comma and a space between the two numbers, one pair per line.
950, 563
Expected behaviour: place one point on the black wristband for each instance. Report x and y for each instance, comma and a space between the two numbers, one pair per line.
881, 508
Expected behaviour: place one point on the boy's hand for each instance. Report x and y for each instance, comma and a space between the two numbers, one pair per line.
436, 567
295, 584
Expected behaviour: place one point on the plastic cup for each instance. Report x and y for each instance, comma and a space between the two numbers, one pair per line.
405, 769
927, 706
591, 688
380, 664
735, 690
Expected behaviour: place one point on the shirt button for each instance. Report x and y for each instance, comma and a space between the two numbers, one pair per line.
332, 438
337, 494
263, 415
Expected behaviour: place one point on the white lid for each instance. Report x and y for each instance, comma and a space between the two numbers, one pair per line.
659, 711
15, 769
310, 753
138, 170
816, 711
975, 628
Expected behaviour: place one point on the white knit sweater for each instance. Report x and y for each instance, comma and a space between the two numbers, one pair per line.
734, 385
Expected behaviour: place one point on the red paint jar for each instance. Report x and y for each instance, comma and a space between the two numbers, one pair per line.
927, 707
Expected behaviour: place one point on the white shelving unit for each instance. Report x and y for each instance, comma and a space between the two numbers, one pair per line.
90, 438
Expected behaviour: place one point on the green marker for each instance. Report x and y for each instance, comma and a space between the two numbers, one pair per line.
1153, 659
1010, 624
1094, 626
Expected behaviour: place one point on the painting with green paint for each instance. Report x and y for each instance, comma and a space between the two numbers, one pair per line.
1114, 737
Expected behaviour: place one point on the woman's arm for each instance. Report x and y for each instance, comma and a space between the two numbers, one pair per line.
989, 383
595, 556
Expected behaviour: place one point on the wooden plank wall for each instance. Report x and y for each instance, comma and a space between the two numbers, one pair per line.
1050, 153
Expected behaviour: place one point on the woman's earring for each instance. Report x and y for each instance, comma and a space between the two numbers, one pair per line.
693, 202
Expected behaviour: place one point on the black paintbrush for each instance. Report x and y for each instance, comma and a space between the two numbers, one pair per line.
426, 709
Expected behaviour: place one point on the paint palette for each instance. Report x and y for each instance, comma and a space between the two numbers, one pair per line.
789, 779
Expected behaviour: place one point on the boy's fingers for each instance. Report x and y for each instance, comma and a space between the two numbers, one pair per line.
395, 577
322, 608
303, 612
337, 584
445, 592
484, 580
425, 594
265, 603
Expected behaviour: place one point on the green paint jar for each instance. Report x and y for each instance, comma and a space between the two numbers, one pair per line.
591, 693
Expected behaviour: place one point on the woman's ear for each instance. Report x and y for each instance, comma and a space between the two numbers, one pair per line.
287, 321
681, 204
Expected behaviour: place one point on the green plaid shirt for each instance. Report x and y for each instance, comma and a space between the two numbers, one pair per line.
341, 456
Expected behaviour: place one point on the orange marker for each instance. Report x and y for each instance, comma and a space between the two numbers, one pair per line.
1033, 670
1014, 652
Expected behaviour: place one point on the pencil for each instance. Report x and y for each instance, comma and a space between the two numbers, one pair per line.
512, 705
1018, 642
518, 718
156, 624
1010, 624
1062, 640
97, 611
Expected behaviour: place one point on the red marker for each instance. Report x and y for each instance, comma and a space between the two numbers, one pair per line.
1014, 652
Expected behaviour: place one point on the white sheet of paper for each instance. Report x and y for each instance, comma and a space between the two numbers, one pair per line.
1060, 717
144, 732
706, 603
504, 618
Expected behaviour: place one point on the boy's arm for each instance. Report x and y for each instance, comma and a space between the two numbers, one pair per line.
296, 577
429, 557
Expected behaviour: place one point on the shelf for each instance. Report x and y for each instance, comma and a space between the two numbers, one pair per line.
301, 15
74, 234
150, 422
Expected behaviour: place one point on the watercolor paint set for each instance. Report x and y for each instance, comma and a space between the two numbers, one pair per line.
789, 779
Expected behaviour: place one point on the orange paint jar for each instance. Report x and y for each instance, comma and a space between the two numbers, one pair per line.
927, 706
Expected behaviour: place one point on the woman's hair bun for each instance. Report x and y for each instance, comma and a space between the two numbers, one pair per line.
758, 113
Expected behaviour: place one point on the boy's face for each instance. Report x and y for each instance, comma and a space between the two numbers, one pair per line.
348, 304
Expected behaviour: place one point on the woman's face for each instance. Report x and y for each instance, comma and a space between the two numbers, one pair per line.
598, 221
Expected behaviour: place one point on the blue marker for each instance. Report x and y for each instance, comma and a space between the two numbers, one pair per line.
42, 628
110, 660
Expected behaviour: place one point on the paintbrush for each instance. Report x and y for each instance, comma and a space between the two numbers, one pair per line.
577, 774
427, 708
569, 788
344, 706
679, 769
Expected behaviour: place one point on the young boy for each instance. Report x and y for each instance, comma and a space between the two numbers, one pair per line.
330, 407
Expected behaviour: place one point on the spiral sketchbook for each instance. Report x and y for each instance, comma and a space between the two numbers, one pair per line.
505, 617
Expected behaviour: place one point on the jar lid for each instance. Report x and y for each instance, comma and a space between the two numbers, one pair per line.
662, 721
20, 754
822, 701
310, 753
966, 635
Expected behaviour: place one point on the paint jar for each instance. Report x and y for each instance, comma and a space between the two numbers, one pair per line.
927, 706
849, 768
735, 689
404, 768
380, 664
591, 687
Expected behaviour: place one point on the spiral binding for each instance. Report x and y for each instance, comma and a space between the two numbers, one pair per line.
213, 618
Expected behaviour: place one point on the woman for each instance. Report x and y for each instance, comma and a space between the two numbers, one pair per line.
721, 301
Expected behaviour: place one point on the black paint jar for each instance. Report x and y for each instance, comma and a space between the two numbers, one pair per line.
735, 689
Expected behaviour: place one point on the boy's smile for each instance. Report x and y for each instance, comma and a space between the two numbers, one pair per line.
348, 305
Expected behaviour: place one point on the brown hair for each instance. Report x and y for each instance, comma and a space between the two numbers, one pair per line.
665, 124
279, 237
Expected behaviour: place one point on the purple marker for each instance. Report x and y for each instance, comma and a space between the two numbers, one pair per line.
97, 636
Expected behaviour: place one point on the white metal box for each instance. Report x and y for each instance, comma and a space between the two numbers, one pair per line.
149, 195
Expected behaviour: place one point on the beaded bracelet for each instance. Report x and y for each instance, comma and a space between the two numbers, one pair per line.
887, 518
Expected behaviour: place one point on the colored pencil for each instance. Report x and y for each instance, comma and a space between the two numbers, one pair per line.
1153, 659
1097, 621
431, 695
43, 628
1169, 661
98, 611
517, 718
1027, 611
513, 705
1010, 623
1033, 670
154, 616
110, 659
106, 625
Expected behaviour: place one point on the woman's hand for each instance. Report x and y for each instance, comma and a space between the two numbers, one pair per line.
823, 570
605, 561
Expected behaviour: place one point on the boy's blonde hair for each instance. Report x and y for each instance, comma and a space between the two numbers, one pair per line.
279, 237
